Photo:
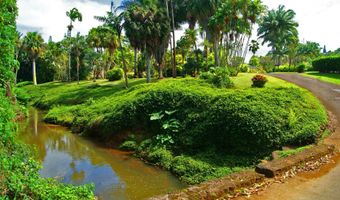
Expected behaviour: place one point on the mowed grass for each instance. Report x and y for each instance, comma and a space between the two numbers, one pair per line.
330, 78
243, 81
61, 93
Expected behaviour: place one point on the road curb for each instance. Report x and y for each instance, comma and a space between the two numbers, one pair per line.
219, 188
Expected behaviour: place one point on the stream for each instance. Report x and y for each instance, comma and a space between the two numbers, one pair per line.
72, 159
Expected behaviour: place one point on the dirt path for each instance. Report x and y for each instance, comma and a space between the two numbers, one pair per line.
325, 183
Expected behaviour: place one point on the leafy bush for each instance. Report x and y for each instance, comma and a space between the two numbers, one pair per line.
284, 68
128, 146
209, 117
225, 121
329, 64
160, 156
301, 68
244, 68
254, 61
259, 80
219, 77
115, 74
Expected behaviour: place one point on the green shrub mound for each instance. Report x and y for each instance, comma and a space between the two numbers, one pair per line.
19, 172
301, 68
329, 64
115, 74
235, 121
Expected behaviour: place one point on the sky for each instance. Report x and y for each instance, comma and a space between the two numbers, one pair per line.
318, 19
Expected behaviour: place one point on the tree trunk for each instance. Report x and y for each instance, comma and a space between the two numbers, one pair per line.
34, 72
148, 67
216, 53
135, 64
69, 67
78, 66
124, 63
160, 71
197, 60
94, 74
16, 76
9, 92
174, 68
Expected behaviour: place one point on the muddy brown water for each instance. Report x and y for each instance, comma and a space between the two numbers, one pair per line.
75, 160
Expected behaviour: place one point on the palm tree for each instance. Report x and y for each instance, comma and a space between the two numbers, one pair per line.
79, 44
278, 28
115, 22
33, 44
74, 15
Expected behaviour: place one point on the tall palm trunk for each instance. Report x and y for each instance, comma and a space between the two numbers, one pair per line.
124, 63
148, 67
160, 70
34, 72
69, 67
216, 52
135, 63
78, 66
174, 68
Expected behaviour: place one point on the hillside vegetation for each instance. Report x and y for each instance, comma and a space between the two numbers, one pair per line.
186, 125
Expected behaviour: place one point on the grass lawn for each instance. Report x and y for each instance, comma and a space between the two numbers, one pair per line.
330, 78
243, 81
60, 93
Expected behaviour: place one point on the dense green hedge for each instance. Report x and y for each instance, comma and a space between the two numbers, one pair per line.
251, 121
329, 64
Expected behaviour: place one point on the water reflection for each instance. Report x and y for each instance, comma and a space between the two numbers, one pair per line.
75, 160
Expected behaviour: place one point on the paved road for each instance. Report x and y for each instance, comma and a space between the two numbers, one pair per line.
321, 185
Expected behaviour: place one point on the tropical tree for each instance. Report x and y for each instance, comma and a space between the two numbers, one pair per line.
254, 46
115, 22
79, 45
278, 28
74, 15
309, 49
33, 45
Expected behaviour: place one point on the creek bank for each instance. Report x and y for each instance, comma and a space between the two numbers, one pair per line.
263, 174
196, 131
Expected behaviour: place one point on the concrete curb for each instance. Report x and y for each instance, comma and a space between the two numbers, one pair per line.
219, 188
279, 166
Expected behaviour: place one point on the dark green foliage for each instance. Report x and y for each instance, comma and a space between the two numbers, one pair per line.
329, 64
259, 80
208, 117
225, 124
244, 68
219, 77
128, 146
8, 13
115, 74
301, 68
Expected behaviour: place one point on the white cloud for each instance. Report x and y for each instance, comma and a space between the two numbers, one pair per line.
318, 19
49, 16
